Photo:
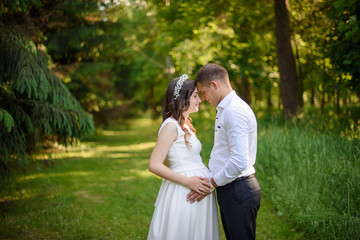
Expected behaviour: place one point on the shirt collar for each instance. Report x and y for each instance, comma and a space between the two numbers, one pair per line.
226, 99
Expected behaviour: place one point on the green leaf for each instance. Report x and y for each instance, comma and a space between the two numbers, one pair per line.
341, 26
8, 121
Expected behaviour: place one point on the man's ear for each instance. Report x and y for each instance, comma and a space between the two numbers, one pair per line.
214, 84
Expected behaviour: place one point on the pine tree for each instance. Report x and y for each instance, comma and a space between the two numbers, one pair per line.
35, 105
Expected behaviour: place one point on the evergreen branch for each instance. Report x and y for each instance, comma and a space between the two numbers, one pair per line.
21, 66
12, 147
35, 103
7, 119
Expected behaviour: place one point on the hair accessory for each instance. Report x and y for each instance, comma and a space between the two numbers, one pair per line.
179, 85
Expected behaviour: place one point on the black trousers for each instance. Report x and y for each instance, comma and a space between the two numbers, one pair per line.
239, 202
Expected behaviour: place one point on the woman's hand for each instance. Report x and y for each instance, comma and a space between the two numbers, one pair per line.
198, 184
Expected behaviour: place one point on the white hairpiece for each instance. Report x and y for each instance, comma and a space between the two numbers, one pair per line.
179, 85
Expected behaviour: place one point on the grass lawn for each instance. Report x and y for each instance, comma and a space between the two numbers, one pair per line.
100, 189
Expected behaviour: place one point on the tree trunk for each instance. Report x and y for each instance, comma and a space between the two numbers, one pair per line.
154, 114
286, 61
322, 101
301, 76
312, 98
344, 99
268, 98
245, 91
338, 101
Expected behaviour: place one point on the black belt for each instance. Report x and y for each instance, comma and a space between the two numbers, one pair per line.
244, 178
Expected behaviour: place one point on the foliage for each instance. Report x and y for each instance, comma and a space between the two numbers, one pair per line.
117, 54
226, 32
16, 6
78, 46
240, 36
344, 41
108, 56
104, 51
35, 104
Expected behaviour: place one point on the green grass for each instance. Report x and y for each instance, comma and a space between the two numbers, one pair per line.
101, 189
313, 178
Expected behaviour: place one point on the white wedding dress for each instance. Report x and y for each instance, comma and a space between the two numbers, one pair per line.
174, 217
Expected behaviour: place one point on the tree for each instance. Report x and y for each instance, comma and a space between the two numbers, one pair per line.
308, 27
232, 33
344, 42
286, 61
110, 56
35, 104
85, 40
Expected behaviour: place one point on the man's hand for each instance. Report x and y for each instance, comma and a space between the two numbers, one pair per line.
195, 197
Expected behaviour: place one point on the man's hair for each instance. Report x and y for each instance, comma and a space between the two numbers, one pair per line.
210, 72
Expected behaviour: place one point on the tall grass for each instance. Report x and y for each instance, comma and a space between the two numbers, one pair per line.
314, 178
310, 169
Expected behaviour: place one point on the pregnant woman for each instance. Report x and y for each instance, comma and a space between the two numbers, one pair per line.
176, 158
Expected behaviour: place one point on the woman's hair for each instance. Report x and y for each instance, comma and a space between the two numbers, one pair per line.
175, 107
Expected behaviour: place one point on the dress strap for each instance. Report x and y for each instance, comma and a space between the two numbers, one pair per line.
175, 122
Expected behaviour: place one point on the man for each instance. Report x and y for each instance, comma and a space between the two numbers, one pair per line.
233, 155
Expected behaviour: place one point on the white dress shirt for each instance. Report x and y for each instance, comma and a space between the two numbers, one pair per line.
235, 141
